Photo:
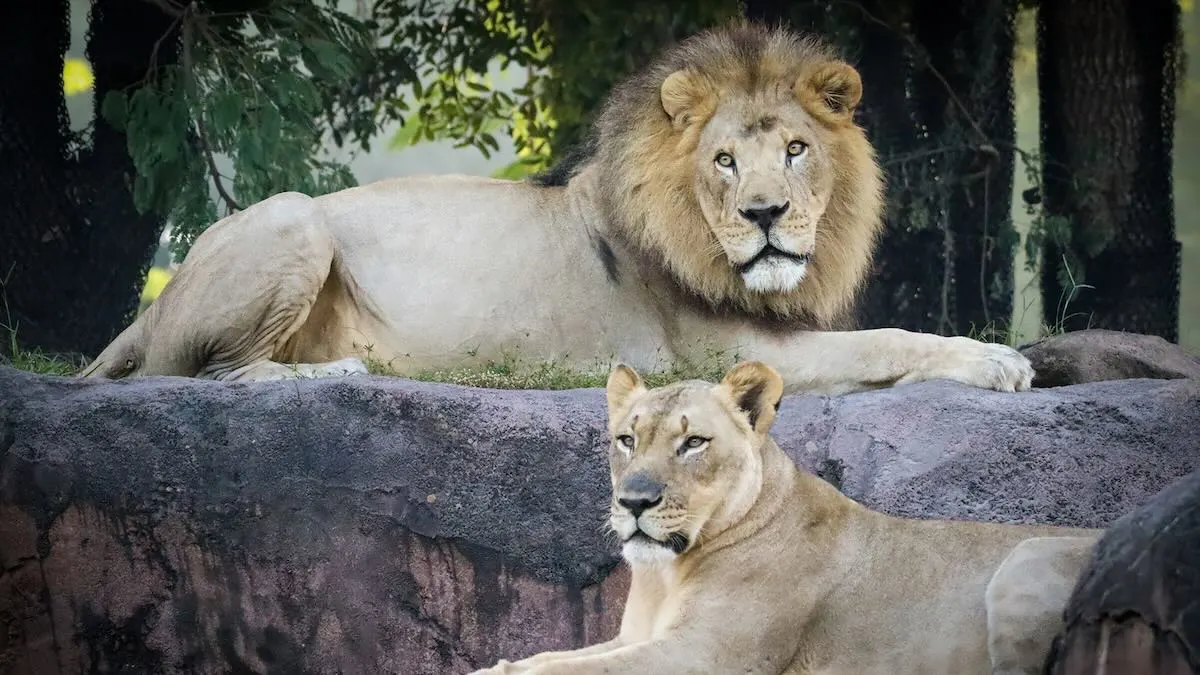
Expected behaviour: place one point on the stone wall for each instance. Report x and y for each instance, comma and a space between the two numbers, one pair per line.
380, 525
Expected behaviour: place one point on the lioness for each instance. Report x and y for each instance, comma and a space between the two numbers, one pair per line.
726, 204
741, 563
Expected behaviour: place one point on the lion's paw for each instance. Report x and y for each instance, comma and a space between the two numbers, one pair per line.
979, 364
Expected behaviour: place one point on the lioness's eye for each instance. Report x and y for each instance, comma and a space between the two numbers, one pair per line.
796, 148
724, 159
625, 440
693, 442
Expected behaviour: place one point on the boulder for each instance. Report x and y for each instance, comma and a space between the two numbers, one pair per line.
1134, 609
1097, 355
372, 524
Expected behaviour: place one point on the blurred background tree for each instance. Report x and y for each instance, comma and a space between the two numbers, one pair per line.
205, 107
1108, 72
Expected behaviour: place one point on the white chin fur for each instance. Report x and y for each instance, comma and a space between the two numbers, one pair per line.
639, 553
775, 275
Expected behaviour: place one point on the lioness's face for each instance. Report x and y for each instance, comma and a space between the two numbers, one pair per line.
684, 459
764, 166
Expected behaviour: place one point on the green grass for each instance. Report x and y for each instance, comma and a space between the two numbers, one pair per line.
507, 374
510, 373
37, 362
1007, 333
12, 354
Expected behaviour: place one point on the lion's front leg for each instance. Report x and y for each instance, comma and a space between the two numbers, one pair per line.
980, 364
841, 362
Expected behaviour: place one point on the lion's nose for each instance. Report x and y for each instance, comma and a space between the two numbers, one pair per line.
640, 492
765, 216
637, 505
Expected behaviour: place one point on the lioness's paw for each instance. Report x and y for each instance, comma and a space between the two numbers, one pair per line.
978, 364
502, 667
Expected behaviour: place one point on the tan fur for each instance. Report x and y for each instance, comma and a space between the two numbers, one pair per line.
775, 571
653, 252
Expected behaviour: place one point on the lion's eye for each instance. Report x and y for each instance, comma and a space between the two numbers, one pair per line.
724, 160
796, 148
625, 441
693, 443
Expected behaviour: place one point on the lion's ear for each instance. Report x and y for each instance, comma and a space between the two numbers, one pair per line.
682, 93
757, 389
837, 86
623, 385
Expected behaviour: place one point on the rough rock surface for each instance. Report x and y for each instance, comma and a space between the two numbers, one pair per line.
382, 525
1097, 355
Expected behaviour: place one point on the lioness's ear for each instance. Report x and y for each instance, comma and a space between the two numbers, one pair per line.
682, 93
837, 86
757, 389
623, 384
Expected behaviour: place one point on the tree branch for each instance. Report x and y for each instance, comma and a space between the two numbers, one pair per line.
190, 16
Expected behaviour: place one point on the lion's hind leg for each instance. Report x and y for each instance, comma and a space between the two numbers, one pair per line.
1025, 600
248, 285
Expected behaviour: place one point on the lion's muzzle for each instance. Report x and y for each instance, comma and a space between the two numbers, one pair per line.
770, 251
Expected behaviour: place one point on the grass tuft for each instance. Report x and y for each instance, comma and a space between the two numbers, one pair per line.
510, 373
35, 361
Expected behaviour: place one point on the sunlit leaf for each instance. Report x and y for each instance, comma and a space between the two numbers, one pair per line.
115, 109
77, 76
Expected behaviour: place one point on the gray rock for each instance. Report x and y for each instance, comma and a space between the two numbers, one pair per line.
1098, 355
383, 525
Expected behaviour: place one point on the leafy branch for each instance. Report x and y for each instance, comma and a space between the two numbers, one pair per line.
189, 19
266, 88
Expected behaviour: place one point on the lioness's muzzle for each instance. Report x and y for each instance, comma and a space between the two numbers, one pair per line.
640, 492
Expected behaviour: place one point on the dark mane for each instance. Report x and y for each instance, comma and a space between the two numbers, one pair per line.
572, 161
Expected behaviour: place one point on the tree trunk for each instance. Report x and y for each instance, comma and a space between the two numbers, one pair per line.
75, 249
1107, 73
34, 173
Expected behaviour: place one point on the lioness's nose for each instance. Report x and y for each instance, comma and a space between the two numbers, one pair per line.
640, 492
765, 216
637, 505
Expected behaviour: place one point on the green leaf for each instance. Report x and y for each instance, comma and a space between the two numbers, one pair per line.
143, 192
477, 86
407, 135
225, 111
270, 129
115, 109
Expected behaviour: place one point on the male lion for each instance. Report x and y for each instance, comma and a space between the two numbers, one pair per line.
727, 203
742, 563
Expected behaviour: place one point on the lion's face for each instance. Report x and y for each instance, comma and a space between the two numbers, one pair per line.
684, 459
763, 181
765, 162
